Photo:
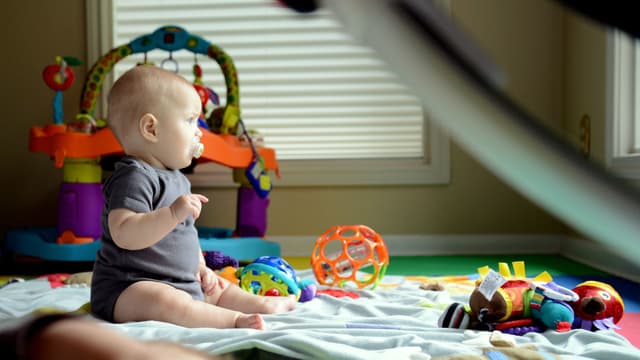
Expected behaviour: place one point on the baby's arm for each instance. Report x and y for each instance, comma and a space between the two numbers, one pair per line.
135, 231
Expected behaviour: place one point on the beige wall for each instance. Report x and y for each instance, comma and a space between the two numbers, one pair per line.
585, 71
585, 92
29, 182
525, 37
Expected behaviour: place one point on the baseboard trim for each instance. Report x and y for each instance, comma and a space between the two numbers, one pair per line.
402, 245
600, 257
581, 250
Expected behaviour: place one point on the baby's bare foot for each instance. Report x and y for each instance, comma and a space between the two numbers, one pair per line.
278, 304
252, 321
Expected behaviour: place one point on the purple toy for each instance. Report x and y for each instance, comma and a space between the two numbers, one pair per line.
252, 213
216, 260
80, 208
521, 330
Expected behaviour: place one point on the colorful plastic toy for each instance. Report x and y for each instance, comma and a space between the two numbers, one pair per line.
343, 250
255, 186
80, 200
78, 146
59, 77
273, 276
230, 273
251, 219
256, 172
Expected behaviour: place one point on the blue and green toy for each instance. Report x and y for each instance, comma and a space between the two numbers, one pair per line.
273, 276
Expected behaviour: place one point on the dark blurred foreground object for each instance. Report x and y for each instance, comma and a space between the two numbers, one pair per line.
615, 13
301, 6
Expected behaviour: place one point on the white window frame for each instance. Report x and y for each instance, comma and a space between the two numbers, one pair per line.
434, 168
623, 81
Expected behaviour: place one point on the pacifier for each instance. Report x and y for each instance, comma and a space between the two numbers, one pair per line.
198, 147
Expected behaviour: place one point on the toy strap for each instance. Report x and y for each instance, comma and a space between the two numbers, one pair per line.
555, 291
256, 173
256, 156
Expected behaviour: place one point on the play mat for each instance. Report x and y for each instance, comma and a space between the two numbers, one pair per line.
398, 319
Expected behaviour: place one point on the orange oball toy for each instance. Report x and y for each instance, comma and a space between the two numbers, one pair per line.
343, 250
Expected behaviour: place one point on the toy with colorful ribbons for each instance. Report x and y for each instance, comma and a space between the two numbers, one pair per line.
517, 305
502, 300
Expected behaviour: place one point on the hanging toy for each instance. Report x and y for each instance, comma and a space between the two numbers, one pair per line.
255, 172
170, 61
145, 61
208, 98
59, 77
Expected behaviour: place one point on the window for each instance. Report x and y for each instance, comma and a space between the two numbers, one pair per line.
623, 125
332, 111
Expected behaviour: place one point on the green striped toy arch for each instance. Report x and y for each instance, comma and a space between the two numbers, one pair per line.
169, 38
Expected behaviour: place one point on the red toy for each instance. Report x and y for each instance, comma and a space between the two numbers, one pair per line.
59, 77
599, 307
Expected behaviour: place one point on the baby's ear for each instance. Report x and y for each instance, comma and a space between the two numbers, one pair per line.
148, 127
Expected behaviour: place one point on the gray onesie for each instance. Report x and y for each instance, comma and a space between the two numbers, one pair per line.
137, 186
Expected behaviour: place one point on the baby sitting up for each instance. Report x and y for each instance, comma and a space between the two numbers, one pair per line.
150, 265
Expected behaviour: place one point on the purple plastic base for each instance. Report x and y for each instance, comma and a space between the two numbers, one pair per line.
80, 209
252, 213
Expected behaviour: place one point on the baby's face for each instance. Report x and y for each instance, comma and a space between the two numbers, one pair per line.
179, 135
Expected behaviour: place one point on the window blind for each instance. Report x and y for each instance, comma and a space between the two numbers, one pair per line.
305, 85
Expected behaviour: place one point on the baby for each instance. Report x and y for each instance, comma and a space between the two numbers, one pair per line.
150, 265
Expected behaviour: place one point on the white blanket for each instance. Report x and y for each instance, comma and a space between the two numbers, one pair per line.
397, 320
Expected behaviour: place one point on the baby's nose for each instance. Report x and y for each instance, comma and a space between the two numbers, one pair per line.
198, 132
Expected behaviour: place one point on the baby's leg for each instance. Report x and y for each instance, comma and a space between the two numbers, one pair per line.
150, 300
233, 297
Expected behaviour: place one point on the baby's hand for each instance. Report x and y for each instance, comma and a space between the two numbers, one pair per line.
209, 281
187, 205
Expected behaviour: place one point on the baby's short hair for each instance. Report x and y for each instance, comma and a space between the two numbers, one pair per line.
138, 91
